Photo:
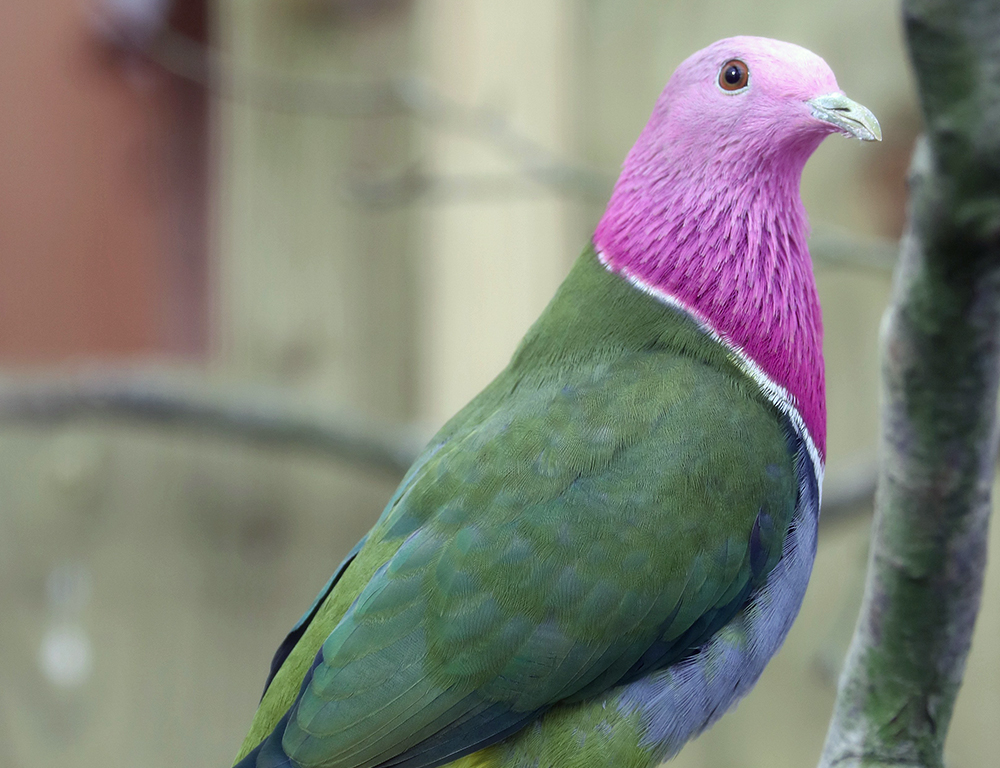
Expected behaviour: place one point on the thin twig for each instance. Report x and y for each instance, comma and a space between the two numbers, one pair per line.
211, 69
849, 489
185, 57
836, 249
414, 186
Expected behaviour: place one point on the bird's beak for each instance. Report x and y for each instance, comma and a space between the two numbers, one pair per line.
846, 116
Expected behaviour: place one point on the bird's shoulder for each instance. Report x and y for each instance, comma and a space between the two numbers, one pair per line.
561, 528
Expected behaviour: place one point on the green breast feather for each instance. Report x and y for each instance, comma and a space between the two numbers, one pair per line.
586, 518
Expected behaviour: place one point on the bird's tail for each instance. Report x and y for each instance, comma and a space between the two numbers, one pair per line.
269, 753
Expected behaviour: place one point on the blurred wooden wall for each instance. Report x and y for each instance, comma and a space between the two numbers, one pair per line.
494, 256
376, 254
103, 178
315, 288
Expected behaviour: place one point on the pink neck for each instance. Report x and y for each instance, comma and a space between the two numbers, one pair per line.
727, 239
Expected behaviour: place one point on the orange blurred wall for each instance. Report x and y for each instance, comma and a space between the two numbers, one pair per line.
102, 193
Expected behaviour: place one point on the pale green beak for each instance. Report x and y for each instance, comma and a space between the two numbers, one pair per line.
847, 116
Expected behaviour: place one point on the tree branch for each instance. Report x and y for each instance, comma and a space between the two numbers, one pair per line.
941, 347
266, 419
410, 95
538, 168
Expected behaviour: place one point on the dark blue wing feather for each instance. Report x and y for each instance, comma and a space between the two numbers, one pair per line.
296, 632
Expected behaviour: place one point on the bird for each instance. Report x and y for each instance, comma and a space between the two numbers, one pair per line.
597, 556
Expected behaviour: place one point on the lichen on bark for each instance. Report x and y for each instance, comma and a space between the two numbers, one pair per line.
941, 346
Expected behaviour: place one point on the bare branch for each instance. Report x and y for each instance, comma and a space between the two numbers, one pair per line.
268, 418
414, 185
265, 418
835, 249
213, 70
940, 376
848, 489
410, 95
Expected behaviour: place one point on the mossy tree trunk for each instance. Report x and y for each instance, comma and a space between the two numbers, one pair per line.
941, 345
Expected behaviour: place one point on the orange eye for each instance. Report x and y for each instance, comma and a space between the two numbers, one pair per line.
734, 75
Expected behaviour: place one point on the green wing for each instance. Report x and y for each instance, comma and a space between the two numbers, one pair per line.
598, 524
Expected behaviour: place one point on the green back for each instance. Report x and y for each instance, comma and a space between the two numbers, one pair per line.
586, 518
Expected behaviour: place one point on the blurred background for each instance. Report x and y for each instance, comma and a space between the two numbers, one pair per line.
251, 251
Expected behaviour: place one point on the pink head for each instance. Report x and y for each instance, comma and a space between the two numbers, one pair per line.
707, 208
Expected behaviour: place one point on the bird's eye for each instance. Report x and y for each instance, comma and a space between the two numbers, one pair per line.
734, 75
